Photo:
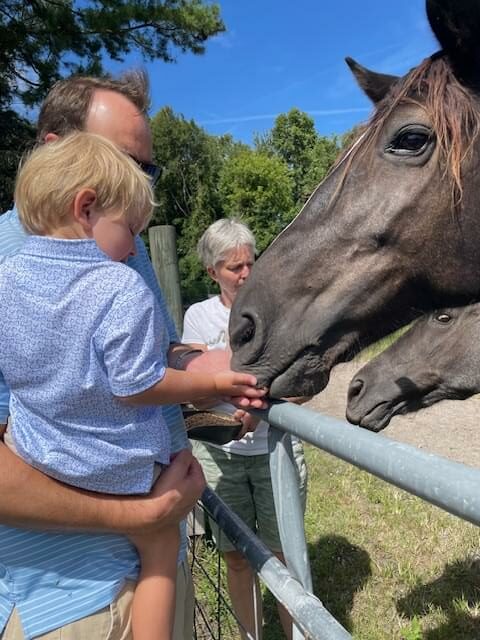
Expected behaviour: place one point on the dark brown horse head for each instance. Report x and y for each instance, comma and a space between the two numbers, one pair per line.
438, 358
391, 232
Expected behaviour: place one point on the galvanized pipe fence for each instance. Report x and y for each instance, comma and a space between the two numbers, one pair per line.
452, 486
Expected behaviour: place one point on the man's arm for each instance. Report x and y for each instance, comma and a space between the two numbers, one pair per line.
31, 499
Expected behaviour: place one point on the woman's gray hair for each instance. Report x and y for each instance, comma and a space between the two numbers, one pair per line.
221, 237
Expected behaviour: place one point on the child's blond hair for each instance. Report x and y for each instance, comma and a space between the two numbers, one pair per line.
52, 174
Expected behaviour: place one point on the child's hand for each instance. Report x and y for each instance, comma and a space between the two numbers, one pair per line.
240, 389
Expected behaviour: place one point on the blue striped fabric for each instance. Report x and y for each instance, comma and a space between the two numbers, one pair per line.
54, 578
12, 236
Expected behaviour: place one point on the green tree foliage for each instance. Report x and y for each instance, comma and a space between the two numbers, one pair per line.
43, 40
16, 134
322, 156
187, 193
307, 154
209, 177
257, 188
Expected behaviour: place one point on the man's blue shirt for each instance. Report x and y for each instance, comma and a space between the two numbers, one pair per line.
51, 578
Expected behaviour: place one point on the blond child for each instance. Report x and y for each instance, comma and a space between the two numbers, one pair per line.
84, 348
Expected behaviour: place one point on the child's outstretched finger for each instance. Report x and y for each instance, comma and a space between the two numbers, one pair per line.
250, 392
245, 379
259, 403
240, 401
243, 402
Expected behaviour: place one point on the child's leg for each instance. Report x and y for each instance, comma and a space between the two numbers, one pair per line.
153, 608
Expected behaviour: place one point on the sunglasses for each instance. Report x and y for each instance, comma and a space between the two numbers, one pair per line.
152, 170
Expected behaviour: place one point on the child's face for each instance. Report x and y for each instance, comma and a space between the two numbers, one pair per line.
113, 235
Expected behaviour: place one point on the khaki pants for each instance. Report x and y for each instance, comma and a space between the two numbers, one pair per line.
244, 483
113, 622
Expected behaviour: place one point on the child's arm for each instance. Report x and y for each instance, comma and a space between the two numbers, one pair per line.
131, 342
179, 386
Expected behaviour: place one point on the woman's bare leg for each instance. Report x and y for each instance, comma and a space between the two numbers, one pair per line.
242, 585
241, 581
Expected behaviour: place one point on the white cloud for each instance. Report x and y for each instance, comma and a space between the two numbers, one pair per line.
272, 116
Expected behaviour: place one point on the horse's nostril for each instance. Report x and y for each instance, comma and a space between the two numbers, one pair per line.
246, 338
244, 332
355, 389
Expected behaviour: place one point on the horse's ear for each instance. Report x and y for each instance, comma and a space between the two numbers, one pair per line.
456, 25
375, 85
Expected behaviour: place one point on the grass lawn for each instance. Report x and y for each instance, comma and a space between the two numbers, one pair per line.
387, 565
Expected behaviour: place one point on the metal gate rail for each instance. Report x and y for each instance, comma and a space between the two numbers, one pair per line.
306, 609
449, 485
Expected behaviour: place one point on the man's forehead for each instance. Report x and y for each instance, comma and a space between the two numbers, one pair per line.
113, 116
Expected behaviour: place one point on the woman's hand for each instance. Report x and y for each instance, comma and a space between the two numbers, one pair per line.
249, 422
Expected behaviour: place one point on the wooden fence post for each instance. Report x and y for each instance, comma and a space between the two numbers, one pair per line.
163, 249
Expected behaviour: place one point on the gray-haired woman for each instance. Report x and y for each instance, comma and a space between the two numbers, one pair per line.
238, 471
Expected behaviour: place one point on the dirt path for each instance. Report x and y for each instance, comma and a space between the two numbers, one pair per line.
449, 428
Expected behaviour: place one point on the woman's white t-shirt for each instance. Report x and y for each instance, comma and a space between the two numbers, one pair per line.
207, 323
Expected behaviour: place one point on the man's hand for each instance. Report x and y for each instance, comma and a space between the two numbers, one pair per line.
212, 361
209, 361
173, 496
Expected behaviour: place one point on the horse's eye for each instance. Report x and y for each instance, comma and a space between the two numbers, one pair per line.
410, 142
443, 318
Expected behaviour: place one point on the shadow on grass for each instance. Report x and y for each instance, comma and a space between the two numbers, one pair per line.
339, 570
457, 587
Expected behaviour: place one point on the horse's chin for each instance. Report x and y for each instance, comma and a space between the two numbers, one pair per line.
309, 373
377, 417
295, 382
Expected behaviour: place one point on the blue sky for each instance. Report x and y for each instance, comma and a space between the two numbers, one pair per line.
279, 54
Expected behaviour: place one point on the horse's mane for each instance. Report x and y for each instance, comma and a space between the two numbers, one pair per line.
450, 107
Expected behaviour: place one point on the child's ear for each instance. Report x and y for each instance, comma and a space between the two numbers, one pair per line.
51, 137
83, 208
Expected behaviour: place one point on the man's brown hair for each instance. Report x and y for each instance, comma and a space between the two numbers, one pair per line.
65, 109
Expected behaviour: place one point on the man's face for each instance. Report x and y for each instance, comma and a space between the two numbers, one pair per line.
113, 116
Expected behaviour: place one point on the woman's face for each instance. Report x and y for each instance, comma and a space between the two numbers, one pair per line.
232, 272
